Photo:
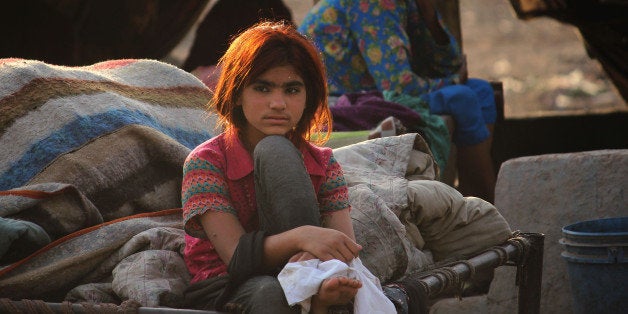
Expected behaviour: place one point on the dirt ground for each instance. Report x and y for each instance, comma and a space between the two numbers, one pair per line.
542, 63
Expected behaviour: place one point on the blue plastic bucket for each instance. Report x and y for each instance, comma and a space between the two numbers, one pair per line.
596, 252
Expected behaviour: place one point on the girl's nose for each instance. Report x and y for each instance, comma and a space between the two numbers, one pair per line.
277, 102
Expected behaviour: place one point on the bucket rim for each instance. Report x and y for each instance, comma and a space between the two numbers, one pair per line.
566, 229
574, 242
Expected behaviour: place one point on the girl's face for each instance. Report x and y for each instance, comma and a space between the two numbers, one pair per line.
272, 104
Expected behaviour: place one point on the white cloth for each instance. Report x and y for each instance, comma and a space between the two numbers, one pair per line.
301, 280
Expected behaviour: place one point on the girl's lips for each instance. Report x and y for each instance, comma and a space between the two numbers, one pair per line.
277, 119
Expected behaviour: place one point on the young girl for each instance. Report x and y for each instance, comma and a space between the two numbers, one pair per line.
260, 194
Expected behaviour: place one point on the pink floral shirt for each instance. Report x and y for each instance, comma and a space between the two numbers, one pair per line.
218, 177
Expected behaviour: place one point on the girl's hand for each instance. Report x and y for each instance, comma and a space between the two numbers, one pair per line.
326, 244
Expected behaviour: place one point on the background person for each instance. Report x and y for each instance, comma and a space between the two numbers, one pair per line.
402, 46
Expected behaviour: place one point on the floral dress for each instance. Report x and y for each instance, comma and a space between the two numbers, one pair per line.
380, 44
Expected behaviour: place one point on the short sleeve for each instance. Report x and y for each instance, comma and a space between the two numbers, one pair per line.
203, 188
333, 194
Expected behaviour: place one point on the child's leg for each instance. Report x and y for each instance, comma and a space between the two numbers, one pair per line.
286, 199
284, 192
475, 165
473, 110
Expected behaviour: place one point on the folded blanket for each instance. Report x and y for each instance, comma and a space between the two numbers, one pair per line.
88, 256
86, 145
50, 110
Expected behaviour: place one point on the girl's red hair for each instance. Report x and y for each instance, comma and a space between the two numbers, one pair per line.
258, 49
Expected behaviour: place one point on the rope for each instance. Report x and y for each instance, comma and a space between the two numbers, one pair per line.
523, 247
66, 307
37, 306
130, 306
40, 306
501, 253
7, 306
472, 269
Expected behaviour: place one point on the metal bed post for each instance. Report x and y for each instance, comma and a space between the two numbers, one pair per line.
529, 275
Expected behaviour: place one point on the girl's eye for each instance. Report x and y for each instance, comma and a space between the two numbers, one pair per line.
293, 90
261, 88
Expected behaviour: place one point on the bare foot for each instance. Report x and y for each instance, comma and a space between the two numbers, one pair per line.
334, 291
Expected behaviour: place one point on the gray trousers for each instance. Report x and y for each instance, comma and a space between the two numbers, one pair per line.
285, 200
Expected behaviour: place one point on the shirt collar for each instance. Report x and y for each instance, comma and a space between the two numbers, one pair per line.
240, 162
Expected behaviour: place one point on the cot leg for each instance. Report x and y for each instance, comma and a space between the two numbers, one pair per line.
530, 274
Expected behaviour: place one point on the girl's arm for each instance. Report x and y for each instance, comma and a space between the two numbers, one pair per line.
310, 242
340, 220
224, 231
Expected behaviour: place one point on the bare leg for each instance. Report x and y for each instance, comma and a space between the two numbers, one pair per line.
475, 169
334, 291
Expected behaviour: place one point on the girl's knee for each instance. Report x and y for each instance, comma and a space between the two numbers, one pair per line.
273, 143
273, 147
464, 106
481, 87
486, 98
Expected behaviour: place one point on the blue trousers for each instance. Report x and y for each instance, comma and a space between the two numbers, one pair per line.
472, 106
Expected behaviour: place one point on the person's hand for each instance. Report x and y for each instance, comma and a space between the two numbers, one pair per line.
326, 244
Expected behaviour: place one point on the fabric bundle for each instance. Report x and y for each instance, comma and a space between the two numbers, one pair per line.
86, 145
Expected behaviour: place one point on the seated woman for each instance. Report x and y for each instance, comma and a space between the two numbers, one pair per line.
402, 46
